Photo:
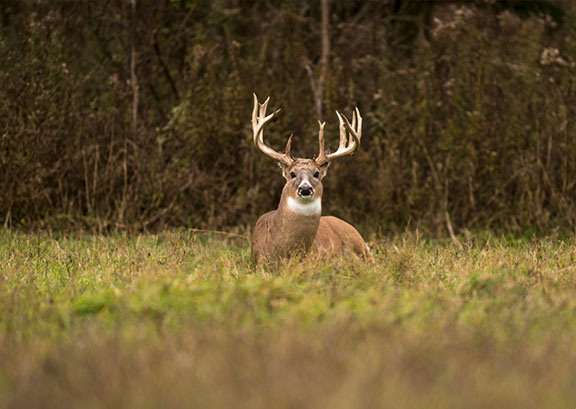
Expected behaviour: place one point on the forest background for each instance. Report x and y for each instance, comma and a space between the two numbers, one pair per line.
135, 114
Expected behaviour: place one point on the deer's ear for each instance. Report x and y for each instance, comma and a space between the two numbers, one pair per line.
324, 168
284, 168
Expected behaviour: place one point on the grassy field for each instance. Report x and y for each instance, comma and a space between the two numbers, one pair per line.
177, 320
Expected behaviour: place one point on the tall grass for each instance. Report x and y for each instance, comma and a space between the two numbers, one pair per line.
181, 320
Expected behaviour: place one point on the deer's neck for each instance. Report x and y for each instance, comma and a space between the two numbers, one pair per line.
297, 223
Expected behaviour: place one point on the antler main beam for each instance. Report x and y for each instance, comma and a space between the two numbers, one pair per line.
259, 121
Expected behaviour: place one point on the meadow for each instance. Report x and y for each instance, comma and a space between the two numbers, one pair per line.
185, 320
134, 116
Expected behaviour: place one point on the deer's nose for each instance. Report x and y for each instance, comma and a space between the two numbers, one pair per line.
305, 190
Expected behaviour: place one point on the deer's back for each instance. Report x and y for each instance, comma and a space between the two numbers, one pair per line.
335, 236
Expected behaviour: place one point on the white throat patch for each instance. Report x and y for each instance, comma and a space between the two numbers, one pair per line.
305, 207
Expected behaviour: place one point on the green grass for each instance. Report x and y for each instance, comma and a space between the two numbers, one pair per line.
179, 320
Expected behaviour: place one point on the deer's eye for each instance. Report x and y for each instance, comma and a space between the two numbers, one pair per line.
316, 174
293, 175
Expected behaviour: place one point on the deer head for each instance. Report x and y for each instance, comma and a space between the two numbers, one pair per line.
303, 188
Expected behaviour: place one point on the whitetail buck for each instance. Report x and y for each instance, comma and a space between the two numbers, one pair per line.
297, 225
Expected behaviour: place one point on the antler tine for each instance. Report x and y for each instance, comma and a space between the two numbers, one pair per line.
259, 118
289, 145
355, 131
259, 121
256, 111
359, 128
347, 145
353, 125
321, 151
342, 128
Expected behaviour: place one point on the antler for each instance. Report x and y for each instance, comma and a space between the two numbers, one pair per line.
347, 144
259, 121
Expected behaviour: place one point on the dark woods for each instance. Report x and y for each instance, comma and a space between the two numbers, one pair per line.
135, 114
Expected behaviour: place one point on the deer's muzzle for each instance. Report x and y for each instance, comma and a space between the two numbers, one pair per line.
305, 190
